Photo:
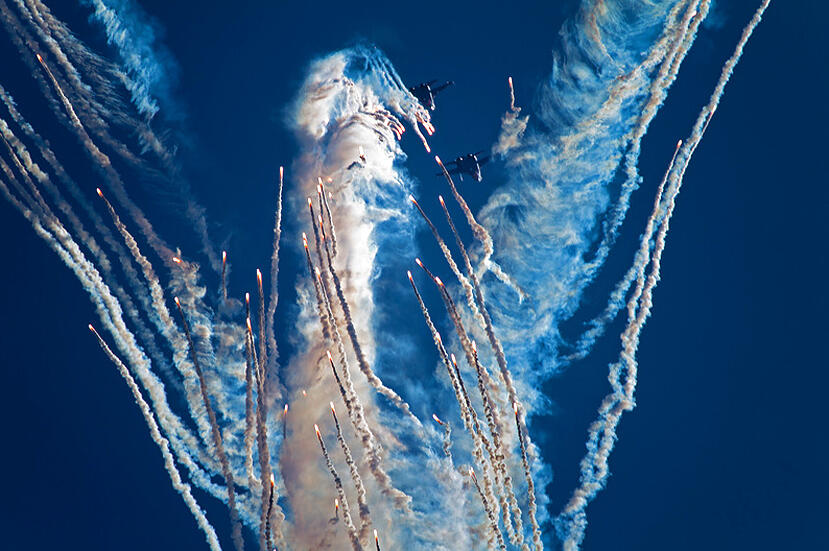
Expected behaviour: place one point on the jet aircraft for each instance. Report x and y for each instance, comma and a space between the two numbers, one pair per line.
467, 164
425, 93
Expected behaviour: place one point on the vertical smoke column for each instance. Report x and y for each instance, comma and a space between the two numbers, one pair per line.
349, 99
358, 416
355, 343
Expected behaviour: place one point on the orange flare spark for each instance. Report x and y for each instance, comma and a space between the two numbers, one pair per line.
437, 419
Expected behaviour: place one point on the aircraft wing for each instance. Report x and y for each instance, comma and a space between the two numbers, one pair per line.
443, 86
484, 160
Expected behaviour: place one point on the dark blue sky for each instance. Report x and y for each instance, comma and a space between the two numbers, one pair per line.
727, 445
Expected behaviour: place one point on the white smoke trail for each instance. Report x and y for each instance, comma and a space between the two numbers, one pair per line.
481, 233
249, 411
130, 32
468, 414
493, 520
362, 505
99, 116
109, 310
238, 542
169, 463
594, 466
185, 445
678, 48
500, 358
349, 523
273, 300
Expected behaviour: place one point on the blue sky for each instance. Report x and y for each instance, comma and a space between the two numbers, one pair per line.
725, 448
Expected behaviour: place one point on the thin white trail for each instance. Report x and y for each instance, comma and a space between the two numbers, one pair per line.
362, 504
602, 433
169, 463
338, 484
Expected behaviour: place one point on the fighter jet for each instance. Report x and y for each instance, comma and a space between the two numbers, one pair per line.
425, 94
467, 164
